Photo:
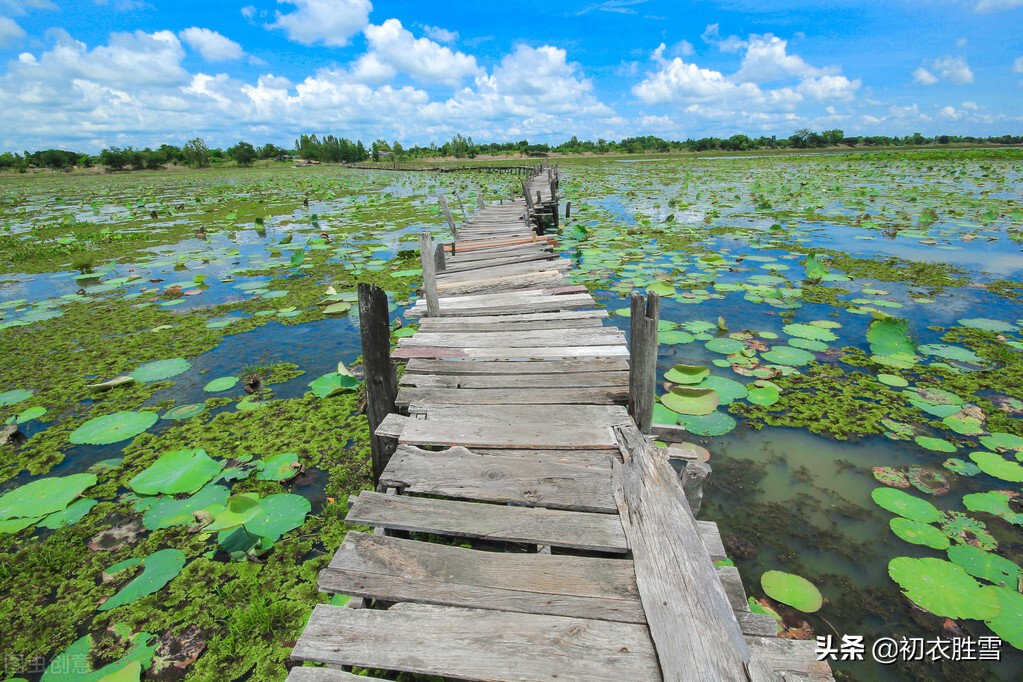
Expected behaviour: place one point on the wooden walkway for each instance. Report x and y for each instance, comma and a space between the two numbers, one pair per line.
525, 528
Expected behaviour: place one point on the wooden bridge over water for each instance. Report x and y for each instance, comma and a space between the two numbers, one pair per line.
526, 528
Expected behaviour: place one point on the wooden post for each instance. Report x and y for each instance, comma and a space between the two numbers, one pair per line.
447, 214
381, 379
643, 358
465, 218
694, 475
479, 196
439, 261
539, 199
568, 210
426, 257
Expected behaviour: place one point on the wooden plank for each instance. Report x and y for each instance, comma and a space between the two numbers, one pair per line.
513, 354
489, 270
481, 265
538, 367
310, 674
552, 338
514, 381
392, 426
393, 569
479, 644
440, 324
774, 660
498, 523
694, 630
461, 474
505, 434
595, 459
590, 415
711, 539
512, 324
538, 304
543, 278
511, 396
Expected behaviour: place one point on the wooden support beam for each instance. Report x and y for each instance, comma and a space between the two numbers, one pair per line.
439, 261
465, 218
568, 210
426, 257
447, 214
381, 378
479, 196
645, 313
694, 475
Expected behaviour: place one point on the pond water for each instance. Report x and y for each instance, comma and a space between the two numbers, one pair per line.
852, 311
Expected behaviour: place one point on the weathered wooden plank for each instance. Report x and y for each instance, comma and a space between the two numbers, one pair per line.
596, 459
310, 674
479, 644
456, 266
532, 525
711, 539
440, 324
513, 354
392, 426
543, 278
540, 367
487, 269
589, 415
461, 474
393, 569
511, 396
537, 304
512, 324
604, 336
777, 660
691, 621
514, 381
506, 434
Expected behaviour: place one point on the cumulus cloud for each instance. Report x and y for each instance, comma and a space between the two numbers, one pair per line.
19, 7
712, 36
441, 35
767, 59
954, 69
924, 77
1017, 66
213, 46
393, 49
10, 32
988, 6
331, 22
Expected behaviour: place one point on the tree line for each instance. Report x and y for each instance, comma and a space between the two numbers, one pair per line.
330, 149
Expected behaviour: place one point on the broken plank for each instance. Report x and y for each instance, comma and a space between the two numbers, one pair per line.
392, 426
461, 474
478, 644
498, 523
310, 674
393, 569
774, 659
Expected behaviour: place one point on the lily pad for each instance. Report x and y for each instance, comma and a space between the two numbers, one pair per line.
729, 390
113, 428
961, 467
893, 380
809, 331
935, 444
179, 471
789, 356
905, 505
1008, 624
919, 533
44, 496
279, 467
691, 401
890, 343
993, 464
928, 480
716, 423
278, 515
944, 588
30, 414
159, 568
160, 370
988, 325
794, 590
890, 477
70, 516
948, 352
1002, 441
992, 502
167, 511
221, 384
686, 374
675, 337
725, 346
332, 383
182, 412
986, 565
15, 396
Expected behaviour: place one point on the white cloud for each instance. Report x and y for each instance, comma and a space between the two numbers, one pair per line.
988, 6
10, 32
331, 22
393, 49
682, 48
211, 45
962, 43
441, 35
950, 112
828, 88
19, 7
681, 81
954, 69
924, 77
712, 35
1017, 66
767, 60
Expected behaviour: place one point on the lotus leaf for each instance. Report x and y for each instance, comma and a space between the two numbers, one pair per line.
239, 510
686, 374
332, 383
943, 588
30, 414
814, 270
1002, 441
674, 338
919, 533
725, 346
337, 308
729, 390
662, 415
965, 425
716, 423
71, 665
160, 370
890, 477
988, 325
993, 502
698, 326
787, 355
279, 467
182, 412
948, 352
890, 343
935, 444
1008, 624
15, 396
179, 471
961, 467
70, 516
809, 331
693, 401
982, 564
113, 428
44, 496
661, 289
794, 590
167, 511
905, 505
965, 529
892, 380
928, 480
807, 344
279, 514
159, 569
995, 465
221, 384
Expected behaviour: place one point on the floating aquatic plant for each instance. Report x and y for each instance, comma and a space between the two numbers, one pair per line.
113, 428
794, 590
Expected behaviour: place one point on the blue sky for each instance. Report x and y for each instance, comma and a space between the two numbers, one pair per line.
94, 73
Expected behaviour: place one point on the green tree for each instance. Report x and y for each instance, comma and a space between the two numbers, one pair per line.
243, 153
196, 153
